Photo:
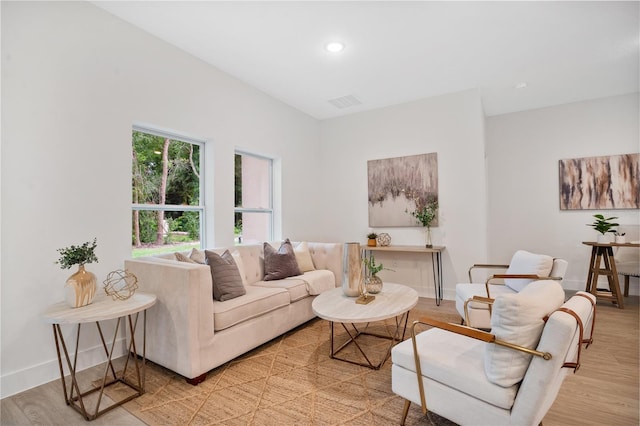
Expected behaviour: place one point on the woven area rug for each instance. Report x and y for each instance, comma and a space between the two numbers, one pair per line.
288, 381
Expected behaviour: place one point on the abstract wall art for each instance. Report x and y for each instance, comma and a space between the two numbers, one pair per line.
398, 185
595, 183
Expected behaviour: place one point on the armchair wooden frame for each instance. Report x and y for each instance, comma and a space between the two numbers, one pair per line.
488, 338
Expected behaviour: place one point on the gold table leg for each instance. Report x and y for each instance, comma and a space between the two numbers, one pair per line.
77, 401
401, 325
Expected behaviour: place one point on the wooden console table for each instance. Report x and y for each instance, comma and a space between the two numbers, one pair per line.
604, 252
436, 262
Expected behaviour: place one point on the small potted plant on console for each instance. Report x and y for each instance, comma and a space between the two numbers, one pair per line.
371, 242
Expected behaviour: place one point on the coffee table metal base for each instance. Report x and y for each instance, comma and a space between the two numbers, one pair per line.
401, 327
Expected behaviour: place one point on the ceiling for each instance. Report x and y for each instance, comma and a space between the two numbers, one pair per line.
398, 52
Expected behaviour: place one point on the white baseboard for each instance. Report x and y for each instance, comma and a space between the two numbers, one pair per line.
19, 381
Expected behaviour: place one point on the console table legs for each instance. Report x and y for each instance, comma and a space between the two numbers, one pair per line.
437, 275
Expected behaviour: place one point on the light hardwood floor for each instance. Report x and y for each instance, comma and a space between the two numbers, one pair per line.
605, 391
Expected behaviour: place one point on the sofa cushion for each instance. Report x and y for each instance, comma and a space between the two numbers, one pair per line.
198, 256
281, 263
317, 281
310, 283
296, 287
518, 318
227, 283
524, 262
256, 302
240, 264
182, 258
303, 257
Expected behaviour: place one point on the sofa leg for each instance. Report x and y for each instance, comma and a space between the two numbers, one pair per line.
197, 380
405, 411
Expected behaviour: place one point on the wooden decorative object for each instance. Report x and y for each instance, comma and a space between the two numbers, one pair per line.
365, 299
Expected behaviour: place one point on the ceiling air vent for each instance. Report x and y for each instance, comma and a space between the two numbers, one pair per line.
345, 101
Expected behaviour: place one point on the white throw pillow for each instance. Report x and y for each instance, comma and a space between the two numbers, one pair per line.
524, 262
303, 257
518, 318
198, 256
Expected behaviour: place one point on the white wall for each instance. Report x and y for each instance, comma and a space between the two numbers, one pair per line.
453, 127
523, 150
74, 80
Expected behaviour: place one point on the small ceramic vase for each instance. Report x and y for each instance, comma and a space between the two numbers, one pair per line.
80, 288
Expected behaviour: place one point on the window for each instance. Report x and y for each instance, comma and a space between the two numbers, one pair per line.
167, 183
253, 198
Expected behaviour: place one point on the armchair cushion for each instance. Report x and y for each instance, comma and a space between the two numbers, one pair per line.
518, 318
524, 262
455, 360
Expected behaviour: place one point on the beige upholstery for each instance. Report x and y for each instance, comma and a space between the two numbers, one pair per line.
191, 333
479, 313
446, 373
627, 264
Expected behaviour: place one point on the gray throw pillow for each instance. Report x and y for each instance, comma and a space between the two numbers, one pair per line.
227, 283
281, 263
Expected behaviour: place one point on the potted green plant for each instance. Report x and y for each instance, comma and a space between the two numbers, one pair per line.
371, 239
426, 215
603, 225
81, 287
373, 283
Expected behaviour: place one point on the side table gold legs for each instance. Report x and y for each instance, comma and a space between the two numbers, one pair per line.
73, 396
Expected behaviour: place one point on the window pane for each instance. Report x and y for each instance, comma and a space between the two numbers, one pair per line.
165, 171
166, 179
253, 182
179, 231
253, 227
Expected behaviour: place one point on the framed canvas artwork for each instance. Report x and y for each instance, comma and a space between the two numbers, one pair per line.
596, 183
398, 185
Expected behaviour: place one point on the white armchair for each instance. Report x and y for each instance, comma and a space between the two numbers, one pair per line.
510, 376
627, 264
524, 268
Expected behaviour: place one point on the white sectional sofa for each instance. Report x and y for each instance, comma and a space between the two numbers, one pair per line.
191, 333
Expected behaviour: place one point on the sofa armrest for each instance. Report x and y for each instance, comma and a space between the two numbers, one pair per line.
328, 256
182, 319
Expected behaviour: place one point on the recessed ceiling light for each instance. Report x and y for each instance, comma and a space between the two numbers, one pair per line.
334, 47
522, 85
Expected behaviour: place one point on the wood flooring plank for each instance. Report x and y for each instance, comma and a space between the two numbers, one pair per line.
605, 390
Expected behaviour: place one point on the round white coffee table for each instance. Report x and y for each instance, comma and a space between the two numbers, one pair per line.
395, 300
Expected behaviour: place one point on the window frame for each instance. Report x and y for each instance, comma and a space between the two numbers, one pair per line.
201, 207
270, 210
